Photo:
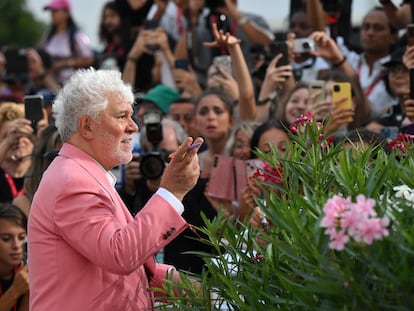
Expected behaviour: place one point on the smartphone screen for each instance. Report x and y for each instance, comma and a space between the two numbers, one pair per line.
411, 71
33, 109
341, 90
279, 47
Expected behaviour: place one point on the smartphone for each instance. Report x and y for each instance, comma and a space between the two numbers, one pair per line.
410, 34
252, 166
304, 45
181, 63
279, 47
317, 86
33, 109
151, 25
411, 71
341, 90
223, 61
17, 65
227, 178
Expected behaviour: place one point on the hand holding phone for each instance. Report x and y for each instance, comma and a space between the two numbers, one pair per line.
342, 96
279, 47
33, 109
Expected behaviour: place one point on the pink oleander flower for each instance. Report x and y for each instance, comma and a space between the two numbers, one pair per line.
345, 220
301, 122
269, 174
401, 142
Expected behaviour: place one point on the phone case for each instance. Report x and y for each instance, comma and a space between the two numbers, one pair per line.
33, 109
341, 90
277, 47
223, 61
227, 178
316, 86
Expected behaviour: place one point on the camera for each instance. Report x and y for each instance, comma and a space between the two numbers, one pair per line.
304, 45
152, 163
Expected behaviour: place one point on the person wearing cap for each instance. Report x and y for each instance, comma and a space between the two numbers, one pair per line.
159, 98
68, 46
397, 83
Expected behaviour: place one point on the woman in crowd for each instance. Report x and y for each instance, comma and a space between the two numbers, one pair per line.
16, 146
44, 152
65, 42
14, 276
271, 134
214, 119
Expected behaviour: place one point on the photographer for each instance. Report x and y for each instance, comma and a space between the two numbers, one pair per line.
143, 173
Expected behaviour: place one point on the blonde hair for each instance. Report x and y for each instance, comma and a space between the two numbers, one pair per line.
10, 112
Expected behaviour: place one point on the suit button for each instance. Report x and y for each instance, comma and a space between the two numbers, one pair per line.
172, 230
165, 236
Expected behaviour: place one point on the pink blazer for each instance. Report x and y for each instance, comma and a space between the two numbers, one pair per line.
86, 252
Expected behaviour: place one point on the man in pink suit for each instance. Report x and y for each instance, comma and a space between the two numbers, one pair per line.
86, 252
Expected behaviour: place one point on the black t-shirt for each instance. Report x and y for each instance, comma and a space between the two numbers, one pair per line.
136, 202
194, 203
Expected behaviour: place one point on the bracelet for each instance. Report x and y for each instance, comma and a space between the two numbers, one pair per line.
270, 98
263, 101
243, 20
343, 60
132, 59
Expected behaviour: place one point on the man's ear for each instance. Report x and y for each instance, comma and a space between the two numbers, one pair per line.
85, 127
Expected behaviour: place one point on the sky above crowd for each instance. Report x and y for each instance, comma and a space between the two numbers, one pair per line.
275, 12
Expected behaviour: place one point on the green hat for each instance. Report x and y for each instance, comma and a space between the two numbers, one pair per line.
162, 96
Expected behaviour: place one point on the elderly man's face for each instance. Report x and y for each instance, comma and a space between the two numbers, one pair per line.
112, 133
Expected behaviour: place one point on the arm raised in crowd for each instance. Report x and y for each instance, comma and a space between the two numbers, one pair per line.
247, 103
329, 50
399, 17
316, 15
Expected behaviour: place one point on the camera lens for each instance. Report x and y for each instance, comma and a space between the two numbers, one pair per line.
306, 45
152, 166
337, 88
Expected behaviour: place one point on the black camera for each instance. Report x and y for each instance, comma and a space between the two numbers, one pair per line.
152, 163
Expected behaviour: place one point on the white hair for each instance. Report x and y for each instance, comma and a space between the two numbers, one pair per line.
86, 94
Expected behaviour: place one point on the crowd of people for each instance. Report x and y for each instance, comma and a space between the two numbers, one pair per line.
108, 178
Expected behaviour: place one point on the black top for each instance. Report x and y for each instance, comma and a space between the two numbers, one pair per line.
136, 202
5, 191
194, 203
